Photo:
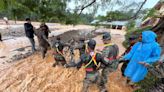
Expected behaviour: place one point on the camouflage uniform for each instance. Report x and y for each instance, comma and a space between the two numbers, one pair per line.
111, 53
58, 54
92, 74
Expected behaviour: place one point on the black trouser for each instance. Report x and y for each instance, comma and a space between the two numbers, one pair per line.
0, 37
32, 41
125, 64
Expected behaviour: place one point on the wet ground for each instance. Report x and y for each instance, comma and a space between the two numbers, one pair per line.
34, 74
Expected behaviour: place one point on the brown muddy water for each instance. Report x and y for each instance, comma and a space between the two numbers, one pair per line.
34, 74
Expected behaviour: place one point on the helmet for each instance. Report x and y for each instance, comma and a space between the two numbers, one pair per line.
106, 36
92, 44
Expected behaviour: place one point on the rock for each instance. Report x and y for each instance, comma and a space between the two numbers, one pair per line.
3, 57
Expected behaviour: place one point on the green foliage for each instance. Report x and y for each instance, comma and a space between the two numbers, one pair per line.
147, 83
117, 15
151, 13
130, 25
41, 10
133, 32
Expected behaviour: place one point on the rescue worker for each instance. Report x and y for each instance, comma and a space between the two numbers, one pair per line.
29, 31
42, 39
92, 61
132, 41
147, 51
58, 52
46, 30
110, 51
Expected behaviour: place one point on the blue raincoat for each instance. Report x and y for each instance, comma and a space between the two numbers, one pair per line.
146, 51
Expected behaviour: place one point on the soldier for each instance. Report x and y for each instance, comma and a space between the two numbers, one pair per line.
92, 61
42, 39
132, 41
58, 52
29, 31
110, 51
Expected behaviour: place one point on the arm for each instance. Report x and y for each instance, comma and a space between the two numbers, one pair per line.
79, 46
45, 38
103, 60
78, 64
162, 58
130, 54
155, 56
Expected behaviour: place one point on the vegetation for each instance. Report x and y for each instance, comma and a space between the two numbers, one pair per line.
58, 11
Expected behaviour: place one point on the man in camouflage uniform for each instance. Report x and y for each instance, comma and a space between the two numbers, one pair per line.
42, 39
91, 60
110, 51
58, 52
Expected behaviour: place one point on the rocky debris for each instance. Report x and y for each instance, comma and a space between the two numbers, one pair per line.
18, 56
20, 49
21, 56
74, 34
2, 56
158, 87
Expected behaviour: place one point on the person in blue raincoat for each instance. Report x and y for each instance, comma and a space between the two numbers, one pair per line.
147, 51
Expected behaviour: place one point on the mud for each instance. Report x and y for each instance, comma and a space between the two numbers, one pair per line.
34, 74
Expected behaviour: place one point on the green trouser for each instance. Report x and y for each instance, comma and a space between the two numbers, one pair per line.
90, 78
104, 78
60, 60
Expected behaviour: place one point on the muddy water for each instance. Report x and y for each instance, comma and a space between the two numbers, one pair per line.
34, 74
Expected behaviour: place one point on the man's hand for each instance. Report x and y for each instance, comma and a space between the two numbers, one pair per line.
142, 63
66, 66
121, 59
160, 62
145, 64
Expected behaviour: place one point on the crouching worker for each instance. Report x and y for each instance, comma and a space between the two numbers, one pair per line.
92, 61
58, 52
